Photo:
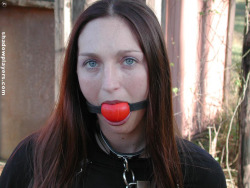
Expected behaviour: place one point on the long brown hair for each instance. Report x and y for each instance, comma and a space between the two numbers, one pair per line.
62, 143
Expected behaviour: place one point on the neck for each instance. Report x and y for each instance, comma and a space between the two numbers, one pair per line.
126, 142
110, 149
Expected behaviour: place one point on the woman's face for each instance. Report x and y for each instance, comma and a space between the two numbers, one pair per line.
111, 68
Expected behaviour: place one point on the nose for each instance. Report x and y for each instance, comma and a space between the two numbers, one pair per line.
110, 78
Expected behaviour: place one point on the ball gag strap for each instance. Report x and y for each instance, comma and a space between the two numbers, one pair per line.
116, 112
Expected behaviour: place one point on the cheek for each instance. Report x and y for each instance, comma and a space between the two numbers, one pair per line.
89, 89
139, 87
144, 86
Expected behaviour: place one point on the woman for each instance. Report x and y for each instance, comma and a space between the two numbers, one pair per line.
113, 125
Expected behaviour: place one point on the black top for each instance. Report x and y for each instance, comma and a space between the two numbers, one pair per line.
200, 170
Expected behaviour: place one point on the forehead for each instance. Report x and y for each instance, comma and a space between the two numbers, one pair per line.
107, 33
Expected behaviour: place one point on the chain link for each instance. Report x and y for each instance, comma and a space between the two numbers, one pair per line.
130, 185
125, 172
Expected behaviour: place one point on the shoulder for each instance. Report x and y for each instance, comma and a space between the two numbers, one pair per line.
199, 168
18, 169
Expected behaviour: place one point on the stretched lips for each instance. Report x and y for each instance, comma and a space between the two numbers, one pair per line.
115, 112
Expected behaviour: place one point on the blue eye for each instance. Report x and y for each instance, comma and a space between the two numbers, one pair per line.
129, 61
91, 64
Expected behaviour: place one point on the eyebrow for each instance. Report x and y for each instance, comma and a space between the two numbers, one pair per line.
118, 53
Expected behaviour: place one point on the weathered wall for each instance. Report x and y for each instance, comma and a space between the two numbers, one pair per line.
29, 96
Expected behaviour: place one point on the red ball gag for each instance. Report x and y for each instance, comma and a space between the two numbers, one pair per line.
115, 112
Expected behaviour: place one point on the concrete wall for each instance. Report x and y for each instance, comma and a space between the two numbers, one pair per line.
29, 73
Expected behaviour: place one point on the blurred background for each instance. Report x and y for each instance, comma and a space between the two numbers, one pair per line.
208, 43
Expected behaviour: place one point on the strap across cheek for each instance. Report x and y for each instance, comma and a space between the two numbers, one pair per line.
115, 112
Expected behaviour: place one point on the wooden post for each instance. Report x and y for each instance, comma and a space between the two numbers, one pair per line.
244, 162
66, 13
228, 61
59, 43
77, 8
